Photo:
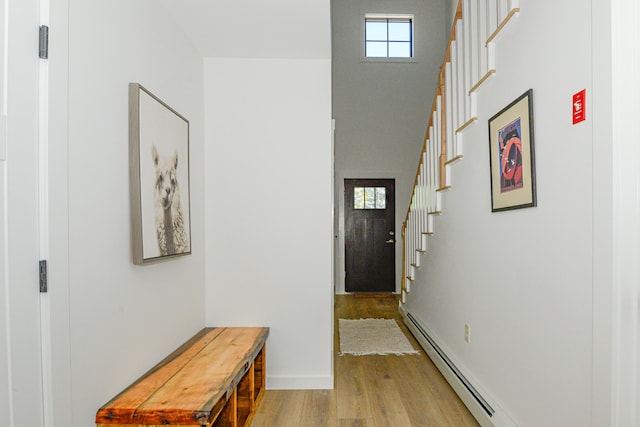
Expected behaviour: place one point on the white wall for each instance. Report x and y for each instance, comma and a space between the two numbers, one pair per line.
268, 209
382, 109
122, 318
270, 29
523, 279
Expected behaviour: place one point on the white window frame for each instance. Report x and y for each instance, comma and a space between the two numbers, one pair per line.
363, 33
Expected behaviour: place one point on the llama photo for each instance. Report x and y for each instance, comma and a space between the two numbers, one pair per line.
160, 196
170, 231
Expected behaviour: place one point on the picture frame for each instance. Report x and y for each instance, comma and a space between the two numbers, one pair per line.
159, 178
511, 156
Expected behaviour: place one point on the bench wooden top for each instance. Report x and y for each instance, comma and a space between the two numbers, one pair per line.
192, 384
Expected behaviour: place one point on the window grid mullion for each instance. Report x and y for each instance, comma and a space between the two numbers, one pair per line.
387, 37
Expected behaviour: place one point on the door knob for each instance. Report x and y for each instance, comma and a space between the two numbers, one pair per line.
391, 233
389, 241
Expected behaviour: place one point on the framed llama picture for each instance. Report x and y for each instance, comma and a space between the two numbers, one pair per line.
513, 178
159, 178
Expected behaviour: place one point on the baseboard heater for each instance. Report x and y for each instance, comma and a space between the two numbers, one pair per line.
486, 413
483, 403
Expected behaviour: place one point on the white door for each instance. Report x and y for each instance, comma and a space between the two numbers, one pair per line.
21, 394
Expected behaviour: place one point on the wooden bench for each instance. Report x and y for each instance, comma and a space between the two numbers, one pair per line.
216, 379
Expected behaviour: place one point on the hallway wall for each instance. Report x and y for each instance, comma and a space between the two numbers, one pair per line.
123, 319
115, 320
522, 279
268, 204
452, 6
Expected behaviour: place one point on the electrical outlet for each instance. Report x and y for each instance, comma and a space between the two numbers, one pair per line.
467, 333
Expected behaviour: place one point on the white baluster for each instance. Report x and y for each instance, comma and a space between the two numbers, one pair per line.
474, 52
492, 16
448, 92
467, 58
460, 74
482, 38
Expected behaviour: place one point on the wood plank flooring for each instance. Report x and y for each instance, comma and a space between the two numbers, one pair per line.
370, 391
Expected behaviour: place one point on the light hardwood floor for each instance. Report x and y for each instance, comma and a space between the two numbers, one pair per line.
380, 391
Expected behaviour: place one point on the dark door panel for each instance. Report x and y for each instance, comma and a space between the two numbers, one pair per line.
370, 235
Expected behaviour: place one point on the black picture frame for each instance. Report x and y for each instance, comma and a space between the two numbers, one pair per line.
511, 156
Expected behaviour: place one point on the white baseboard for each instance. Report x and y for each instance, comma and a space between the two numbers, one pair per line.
299, 383
483, 406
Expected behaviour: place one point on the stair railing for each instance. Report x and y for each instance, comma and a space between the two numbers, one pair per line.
469, 62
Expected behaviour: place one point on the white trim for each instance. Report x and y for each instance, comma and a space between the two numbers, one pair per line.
602, 295
275, 382
625, 63
379, 59
615, 399
5, 334
388, 16
4, 61
43, 213
334, 240
382, 59
602, 219
4, 284
58, 314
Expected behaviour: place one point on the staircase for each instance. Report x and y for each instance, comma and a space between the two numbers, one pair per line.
469, 62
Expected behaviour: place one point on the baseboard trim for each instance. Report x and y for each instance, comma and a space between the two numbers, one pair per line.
457, 377
299, 383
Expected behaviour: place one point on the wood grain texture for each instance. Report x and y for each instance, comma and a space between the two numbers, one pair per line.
482, 80
370, 391
190, 386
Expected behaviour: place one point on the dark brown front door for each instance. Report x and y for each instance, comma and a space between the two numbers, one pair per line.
369, 215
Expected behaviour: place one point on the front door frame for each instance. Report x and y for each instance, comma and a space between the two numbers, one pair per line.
339, 202
372, 247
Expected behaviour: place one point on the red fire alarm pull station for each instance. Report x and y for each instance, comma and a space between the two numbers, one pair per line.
580, 106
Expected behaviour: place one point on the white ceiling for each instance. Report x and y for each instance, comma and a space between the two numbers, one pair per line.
256, 28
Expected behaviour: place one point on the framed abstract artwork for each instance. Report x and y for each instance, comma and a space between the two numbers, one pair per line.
511, 156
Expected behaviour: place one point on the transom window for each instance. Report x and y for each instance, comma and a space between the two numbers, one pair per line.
369, 198
388, 36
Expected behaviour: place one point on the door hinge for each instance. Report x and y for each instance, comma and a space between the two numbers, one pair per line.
43, 49
43, 275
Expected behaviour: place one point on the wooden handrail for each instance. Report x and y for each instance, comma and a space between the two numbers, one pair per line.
511, 14
439, 92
